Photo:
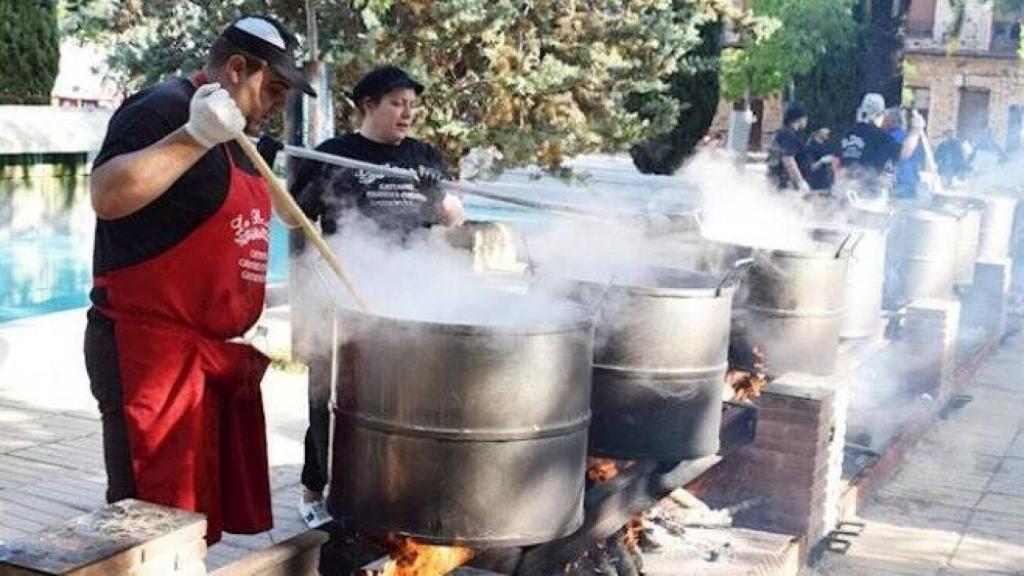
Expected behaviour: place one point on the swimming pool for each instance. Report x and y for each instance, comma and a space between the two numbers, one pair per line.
46, 237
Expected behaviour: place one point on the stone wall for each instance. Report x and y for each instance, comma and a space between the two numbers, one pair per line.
945, 76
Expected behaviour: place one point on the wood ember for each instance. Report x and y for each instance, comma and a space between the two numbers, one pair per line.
601, 469
747, 382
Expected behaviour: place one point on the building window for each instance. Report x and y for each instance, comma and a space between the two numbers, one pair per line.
920, 19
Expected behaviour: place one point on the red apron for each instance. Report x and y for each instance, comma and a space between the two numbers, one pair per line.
192, 402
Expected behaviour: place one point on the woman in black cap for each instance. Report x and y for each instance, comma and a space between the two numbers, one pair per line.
387, 102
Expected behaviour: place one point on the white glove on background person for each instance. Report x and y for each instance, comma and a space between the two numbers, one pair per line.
917, 122
803, 186
213, 116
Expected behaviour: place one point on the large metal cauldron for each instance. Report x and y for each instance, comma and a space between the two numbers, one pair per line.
922, 256
662, 341
794, 308
467, 433
865, 277
996, 228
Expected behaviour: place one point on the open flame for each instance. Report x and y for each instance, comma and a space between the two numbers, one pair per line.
411, 558
747, 384
601, 470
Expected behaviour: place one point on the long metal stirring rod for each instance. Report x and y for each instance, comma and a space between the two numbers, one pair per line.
405, 174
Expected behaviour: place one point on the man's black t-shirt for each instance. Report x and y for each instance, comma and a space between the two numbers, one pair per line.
821, 177
787, 142
868, 148
326, 192
141, 121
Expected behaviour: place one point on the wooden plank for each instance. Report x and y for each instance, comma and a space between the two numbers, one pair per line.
112, 540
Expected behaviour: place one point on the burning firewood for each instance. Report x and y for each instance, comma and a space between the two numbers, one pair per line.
410, 558
601, 470
746, 383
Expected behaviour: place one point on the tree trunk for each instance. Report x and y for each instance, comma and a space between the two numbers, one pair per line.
882, 46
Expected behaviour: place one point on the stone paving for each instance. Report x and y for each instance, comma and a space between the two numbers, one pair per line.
956, 507
51, 454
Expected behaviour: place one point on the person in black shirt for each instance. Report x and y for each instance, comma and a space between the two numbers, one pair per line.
787, 151
387, 100
868, 154
819, 154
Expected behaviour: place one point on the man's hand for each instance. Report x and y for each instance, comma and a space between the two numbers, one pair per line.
826, 159
213, 116
917, 122
803, 186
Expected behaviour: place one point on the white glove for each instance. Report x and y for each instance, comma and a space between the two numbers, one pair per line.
803, 186
826, 159
917, 121
213, 116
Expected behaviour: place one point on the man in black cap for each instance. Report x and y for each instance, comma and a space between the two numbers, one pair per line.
786, 151
179, 269
387, 103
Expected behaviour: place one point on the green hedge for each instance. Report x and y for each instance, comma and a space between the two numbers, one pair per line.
30, 46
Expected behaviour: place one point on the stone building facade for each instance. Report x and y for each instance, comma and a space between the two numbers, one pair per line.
969, 83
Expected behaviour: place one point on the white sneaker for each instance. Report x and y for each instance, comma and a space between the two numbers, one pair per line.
314, 514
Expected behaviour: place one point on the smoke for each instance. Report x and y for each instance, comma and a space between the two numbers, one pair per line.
739, 207
420, 277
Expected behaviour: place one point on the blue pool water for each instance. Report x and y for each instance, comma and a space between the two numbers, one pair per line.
46, 229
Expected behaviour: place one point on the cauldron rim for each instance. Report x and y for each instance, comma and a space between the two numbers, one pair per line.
578, 318
712, 287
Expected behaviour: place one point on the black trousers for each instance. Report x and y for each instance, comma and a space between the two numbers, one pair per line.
315, 471
103, 367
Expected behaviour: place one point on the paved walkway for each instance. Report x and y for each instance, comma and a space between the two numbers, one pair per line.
51, 457
957, 505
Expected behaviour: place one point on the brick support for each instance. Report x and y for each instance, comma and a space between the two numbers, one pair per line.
781, 482
987, 302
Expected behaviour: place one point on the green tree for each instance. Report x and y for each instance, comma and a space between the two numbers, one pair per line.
696, 87
31, 49
807, 29
539, 80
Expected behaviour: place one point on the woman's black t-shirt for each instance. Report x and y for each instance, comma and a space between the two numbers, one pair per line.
326, 191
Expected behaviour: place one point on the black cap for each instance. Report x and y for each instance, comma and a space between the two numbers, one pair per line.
383, 80
794, 112
268, 39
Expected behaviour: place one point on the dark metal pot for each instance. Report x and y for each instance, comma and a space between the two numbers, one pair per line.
921, 258
794, 308
467, 433
660, 360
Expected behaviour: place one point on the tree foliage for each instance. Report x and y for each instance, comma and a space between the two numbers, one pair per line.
806, 30
695, 86
31, 49
538, 80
